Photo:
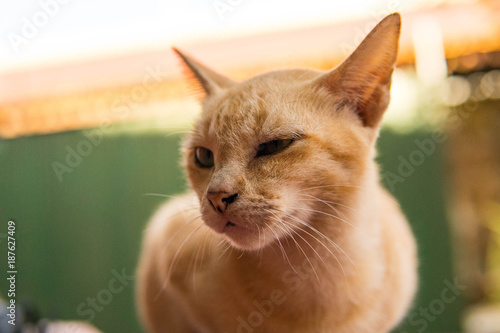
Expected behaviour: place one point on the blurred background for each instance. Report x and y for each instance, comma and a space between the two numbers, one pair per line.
93, 107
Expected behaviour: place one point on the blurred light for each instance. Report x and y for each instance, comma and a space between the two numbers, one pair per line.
476, 91
456, 91
490, 84
430, 59
469, 62
404, 101
96, 29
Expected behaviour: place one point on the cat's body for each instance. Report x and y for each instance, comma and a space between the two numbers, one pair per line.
305, 239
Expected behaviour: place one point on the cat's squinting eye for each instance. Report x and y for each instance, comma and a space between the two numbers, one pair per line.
204, 157
273, 147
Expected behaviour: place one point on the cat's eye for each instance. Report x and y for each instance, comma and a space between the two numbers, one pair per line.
273, 147
204, 157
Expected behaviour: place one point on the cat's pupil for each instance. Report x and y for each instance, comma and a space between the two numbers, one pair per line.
204, 157
273, 147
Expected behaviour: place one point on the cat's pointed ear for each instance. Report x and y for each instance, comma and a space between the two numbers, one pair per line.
363, 80
209, 80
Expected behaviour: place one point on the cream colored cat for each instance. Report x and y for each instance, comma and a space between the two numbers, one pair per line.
295, 232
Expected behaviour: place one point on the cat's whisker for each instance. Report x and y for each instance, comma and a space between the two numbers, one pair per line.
290, 236
189, 202
159, 195
285, 230
283, 251
279, 243
222, 241
192, 267
335, 210
355, 186
304, 223
178, 132
298, 245
187, 210
181, 229
210, 237
180, 247
335, 245
260, 251
170, 129
241, 255
330, 202
174, 260
271, 246
334, 216
189, 205
227, 248
258, 229
319, 241
231, 249
163, 253
323, 186
302, 250
207, 236
309, 244
322, 244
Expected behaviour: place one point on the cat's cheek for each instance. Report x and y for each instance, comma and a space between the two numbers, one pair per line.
295, 201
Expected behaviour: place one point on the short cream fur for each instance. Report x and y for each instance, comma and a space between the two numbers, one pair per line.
300, 240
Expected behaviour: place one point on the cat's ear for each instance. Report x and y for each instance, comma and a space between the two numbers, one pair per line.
363, 80
210, 81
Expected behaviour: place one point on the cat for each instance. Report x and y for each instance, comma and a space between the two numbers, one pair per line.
287, 228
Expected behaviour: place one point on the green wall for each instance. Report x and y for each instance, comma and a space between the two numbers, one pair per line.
74, 236
422, 198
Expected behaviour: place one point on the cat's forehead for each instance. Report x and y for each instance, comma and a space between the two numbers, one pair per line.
254, 110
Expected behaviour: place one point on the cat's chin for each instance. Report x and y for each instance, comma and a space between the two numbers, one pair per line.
238, 235
241, 237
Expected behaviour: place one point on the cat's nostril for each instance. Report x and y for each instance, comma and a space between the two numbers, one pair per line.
220, 200
230, 199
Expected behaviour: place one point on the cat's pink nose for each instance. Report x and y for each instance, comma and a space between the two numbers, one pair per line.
220, 200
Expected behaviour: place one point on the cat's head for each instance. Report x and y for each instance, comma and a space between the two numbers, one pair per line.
271, 154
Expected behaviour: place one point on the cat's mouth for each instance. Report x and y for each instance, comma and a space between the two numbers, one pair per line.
231, 227
240, 235
237, 230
